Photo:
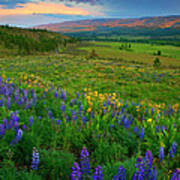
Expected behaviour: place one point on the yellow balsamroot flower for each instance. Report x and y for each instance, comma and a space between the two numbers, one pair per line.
85, 89
35, 81
149, 120
113, 98
95, 93
119, 104
158, 111
90, 94
175, 107
89, 110
88, 98
32, 75
3, 76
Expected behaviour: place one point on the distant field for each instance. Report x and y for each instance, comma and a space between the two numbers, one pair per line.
133, 81
170, 55
110, 111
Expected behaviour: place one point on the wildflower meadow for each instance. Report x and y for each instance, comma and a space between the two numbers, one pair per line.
68, 117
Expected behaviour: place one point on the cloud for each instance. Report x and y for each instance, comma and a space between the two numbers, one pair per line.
47, 8
29, 20
93, 2
51, 7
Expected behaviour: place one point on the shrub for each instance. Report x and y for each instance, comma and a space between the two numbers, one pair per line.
157, 62
159, 53
93, 54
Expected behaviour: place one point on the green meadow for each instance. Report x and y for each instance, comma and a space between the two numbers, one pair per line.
141, 52
115, 103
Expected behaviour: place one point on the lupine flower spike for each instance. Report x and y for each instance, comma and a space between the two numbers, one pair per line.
35, 159
98, 175
76, 173
85, 161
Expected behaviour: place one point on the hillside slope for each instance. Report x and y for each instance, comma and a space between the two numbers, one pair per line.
95, 24
29, 41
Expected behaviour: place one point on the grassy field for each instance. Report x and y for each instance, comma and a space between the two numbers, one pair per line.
170, 55
116, 115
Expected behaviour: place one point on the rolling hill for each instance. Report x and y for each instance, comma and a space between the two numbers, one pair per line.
107, 24
15, 41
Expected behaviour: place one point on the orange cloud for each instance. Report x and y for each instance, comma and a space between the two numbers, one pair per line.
44, 8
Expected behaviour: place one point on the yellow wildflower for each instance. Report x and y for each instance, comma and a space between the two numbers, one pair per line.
88, 98
149, 120
89, 110
95, 94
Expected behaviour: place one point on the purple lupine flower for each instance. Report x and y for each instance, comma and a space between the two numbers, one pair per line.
163, 128
157, 128
76, 173
176, 175
117, 117
56, 94
2, 130
34, 98
173, 149
111, 126
63, 95
113, 114
30, 121
67, 118
104, 111
149, 158
63, 107
77, 95
92, 114
98, 175
161, 153
73, 112
1, 101
74, 118
136, 129
35, 159
5, 122
80, 113
8, 104
142, 133
58, 122
71, 103
85, 161
152, 111
108, 102
19, 134
50, 114
143, 118
84, 119
144, 168
121, 174
80, 107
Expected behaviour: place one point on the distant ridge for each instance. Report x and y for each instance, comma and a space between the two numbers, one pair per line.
94, 24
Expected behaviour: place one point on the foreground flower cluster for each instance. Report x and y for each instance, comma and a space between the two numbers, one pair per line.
46, 129
144, 169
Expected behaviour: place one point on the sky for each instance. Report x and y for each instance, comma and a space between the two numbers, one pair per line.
28, 13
